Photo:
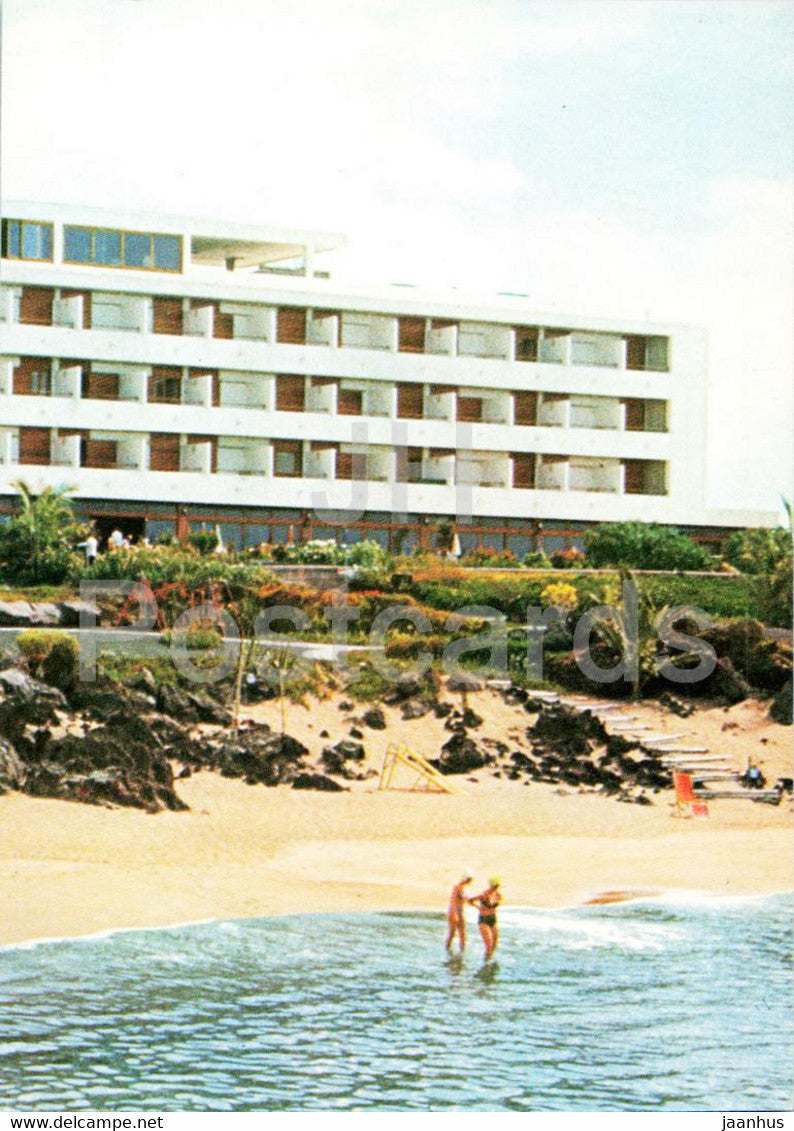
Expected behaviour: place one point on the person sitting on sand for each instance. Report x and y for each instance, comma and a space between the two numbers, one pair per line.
752, 778
487, 903
455, 918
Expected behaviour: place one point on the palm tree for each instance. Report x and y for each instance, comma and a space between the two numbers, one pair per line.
37, 543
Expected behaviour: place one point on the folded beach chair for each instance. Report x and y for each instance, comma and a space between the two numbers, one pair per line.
686, 804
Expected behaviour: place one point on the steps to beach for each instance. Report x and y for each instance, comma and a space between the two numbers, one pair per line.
766, 795
680, 749
662, 737
716, 775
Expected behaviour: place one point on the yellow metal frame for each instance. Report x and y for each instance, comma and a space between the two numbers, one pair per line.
398, 754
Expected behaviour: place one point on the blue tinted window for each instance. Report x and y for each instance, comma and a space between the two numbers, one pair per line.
36, 241
11, 238
107, 248
137, 250
77, 245
168, 253
26, 239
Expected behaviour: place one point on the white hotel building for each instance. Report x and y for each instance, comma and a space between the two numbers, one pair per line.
178, 372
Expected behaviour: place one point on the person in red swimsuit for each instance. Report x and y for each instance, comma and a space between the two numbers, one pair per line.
456, 923
487, 902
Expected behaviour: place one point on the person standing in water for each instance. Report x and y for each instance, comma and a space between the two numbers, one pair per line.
456, 922
487, 902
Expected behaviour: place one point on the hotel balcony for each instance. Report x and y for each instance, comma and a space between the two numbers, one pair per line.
308, 461
84, 309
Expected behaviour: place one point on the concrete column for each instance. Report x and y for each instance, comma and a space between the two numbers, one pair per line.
308, 261
7, 304
6, 446
143, 453
57, 244
394, 335
7, 375
269, 322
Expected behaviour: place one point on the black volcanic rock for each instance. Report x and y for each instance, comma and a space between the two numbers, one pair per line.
317, 781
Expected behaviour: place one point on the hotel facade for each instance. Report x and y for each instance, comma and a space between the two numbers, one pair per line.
178, 372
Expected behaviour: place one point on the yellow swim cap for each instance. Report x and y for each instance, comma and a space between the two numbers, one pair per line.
494, 882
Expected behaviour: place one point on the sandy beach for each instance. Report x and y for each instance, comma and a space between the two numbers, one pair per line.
69, 869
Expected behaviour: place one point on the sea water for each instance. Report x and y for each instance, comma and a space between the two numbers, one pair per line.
679, 1002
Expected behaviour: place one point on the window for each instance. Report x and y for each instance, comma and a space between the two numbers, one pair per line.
167, 390
107, 248
77, 245
167, 253
40, 384
137, 250
287, 458
27, 239
110, 248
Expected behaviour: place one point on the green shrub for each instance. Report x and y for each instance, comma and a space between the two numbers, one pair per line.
197, 638
758, 551
568, 559
38, 543
486, 558
61, 666
775, 592
536, 559
408, 646
35, 643
368, 555
367, 684
53, 655
643, 545
764, 662
728, 596
205, 541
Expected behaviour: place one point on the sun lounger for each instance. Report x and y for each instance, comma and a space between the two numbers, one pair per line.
686, 803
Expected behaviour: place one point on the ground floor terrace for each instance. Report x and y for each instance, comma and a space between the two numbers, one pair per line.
247, 527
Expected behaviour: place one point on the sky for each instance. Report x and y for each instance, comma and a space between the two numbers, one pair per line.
617, 159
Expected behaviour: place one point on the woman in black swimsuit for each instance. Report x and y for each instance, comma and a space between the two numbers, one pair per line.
487, 903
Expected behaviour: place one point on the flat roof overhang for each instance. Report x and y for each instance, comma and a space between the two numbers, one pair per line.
211, 240
214, 251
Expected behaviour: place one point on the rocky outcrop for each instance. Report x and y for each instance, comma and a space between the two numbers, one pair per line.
345, 759
12, 769
317, 781
25, 701
780, 711
191, 706
118, 763
461, 754
25, 614
72, 611
374, 718
464, 682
